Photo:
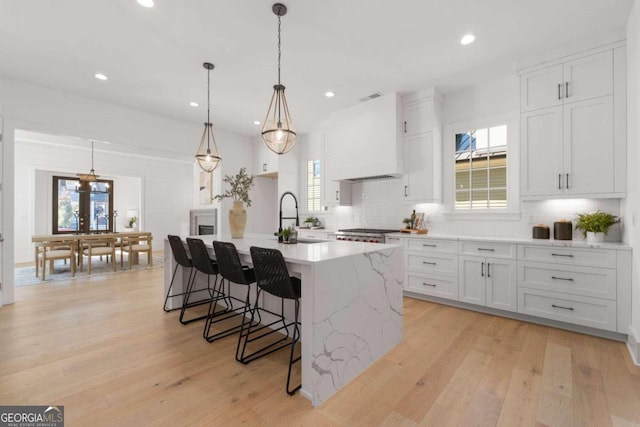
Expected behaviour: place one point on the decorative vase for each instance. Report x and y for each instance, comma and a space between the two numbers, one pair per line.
237, 220
595, 237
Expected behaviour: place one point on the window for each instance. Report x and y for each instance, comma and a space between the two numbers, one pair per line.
313, 185
82, 208
481, 169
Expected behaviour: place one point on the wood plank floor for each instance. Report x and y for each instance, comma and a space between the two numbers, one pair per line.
104, 349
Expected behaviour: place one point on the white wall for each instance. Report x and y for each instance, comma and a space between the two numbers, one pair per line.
169, 186
138, 182
380, 203
633, 158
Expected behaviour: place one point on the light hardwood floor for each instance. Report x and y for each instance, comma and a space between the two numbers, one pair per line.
104, 349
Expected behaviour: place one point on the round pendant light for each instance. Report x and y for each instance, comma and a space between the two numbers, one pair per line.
208, 156
277, 132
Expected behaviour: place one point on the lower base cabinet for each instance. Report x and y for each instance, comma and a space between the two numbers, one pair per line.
583, 286
491, 282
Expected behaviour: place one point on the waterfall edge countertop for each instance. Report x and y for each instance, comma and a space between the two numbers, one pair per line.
351, 305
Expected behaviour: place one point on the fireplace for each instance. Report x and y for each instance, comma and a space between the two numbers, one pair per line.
202, 221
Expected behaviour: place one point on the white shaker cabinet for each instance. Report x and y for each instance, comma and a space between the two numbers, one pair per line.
564, 146
265, 161
488, 280
576, 80
422, 146
568, 128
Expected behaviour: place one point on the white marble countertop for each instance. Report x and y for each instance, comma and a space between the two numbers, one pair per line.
300, 253
520, 240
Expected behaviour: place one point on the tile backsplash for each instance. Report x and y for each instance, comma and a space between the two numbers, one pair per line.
380, 204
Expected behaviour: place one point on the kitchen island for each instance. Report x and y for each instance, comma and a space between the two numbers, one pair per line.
351, 305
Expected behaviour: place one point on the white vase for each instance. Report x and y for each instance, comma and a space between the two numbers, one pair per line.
237, 220
595, 237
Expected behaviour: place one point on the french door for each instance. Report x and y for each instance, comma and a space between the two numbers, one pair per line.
82, 207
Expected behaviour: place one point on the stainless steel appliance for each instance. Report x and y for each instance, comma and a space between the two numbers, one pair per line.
371, 235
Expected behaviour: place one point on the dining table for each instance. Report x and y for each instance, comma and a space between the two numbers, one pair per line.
74, 240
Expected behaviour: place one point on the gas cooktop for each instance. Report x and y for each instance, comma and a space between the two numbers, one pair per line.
368, 230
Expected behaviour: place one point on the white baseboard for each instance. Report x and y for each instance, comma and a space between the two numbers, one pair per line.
633, 344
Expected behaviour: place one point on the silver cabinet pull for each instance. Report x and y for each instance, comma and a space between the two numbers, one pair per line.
482, 270
488, 269
264, 167
559, 88
565, 255
405, 126
428, 246
559, 181
337, 191
429, 284
564, 308
428, 263
486, 249
562, 278
566, 90
405, 190
566, 185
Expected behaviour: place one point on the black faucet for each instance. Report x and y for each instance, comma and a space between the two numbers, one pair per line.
297, 218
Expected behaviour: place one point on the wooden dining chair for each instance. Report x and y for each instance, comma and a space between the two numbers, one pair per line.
134, 245
98, 247
51, 251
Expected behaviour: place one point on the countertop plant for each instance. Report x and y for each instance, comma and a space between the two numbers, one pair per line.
240, 184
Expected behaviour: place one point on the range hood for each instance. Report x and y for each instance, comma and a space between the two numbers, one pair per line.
365, 141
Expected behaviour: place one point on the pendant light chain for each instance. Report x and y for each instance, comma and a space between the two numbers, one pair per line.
208, 104
279, 50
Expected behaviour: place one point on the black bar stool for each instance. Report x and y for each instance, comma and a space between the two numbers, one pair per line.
273, 278
182, 260
204, 264
233, 271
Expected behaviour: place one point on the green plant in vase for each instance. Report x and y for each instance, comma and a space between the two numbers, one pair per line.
240, 184
308, 222
285, 234
407, 222
594, 226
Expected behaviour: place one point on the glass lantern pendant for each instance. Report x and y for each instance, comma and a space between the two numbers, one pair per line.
208, 156
277, 132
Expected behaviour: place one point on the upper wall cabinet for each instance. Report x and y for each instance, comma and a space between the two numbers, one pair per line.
365, 140
573, 140
422, 147
576, 80
265, 161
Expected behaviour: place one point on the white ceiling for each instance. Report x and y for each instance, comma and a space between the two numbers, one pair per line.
153, 56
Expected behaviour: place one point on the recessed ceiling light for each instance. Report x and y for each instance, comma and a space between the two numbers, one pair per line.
194, 104
467, 39
329, 94
146, 3
100, 76
257, 122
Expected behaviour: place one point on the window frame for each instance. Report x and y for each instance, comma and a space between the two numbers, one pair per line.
511, 120
84, 206
320, 185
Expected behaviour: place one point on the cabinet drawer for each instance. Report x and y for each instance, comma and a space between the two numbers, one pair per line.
432, 263
593, 312
586, 281
439, 286
433, 245
569, 256
489, 249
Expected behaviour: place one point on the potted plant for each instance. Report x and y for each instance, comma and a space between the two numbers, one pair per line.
240, 185
308, 222
595, 226
407, 222
286, 234
132, 222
